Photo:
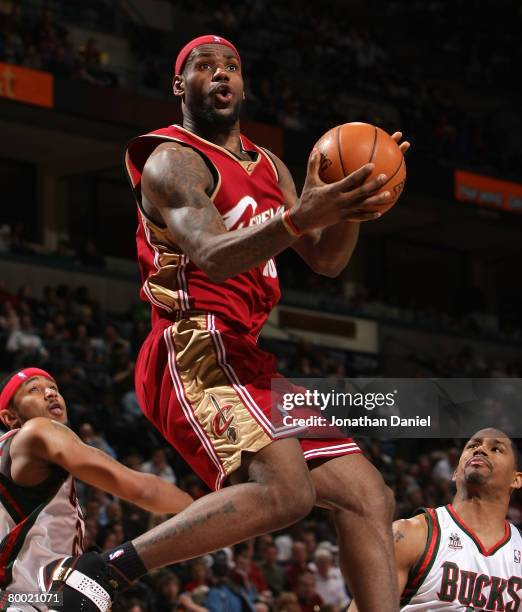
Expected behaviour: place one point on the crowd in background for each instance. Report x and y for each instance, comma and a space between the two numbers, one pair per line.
468, 314
43, 42
92, 354
293, 68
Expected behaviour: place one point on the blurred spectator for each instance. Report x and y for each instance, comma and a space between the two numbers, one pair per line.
135, 605
224, 595
167, 587
298, 564
306, 592
246, 576
27, 347
199, 574
272, 572
89, 255
446, 466
158, 465
329, 581
90, 437
287, 602
310, 541
194, 487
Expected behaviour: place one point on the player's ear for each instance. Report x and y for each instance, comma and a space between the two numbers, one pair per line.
517, 481
178, 85
9, 418
454, 476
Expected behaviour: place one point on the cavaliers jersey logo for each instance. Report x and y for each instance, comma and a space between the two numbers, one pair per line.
236, 212
223, 421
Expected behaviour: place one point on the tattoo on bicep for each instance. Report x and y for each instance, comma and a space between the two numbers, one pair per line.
398, 535
179, 174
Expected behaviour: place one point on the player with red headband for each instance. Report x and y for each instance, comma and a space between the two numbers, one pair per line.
40, 518
214, 209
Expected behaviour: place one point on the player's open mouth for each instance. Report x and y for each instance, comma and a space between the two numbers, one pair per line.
479, 461
223, 95
56, 410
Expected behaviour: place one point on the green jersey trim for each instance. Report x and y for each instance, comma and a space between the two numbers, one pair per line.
422, 568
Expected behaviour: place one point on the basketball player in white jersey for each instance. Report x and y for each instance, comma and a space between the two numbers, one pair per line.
465, 556
40, 518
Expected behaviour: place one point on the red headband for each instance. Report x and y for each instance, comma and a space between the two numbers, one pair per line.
208, 39
16, 380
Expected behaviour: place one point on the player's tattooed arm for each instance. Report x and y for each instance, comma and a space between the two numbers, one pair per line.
42, 441
398, 535
176, 183
409, 538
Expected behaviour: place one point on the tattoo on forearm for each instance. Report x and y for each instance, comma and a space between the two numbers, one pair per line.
397, 535
176, 527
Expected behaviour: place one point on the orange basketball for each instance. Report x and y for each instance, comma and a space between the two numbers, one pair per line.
347, 147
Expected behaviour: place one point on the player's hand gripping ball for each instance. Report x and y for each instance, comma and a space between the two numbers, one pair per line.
347, 147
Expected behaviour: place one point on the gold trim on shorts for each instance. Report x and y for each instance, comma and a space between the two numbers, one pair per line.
217, 407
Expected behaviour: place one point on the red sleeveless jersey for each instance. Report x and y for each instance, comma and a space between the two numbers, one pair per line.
245, 193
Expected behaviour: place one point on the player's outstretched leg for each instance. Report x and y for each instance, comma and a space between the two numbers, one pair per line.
363, 509
279, 493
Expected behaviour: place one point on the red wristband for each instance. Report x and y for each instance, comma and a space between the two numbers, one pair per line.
290, 226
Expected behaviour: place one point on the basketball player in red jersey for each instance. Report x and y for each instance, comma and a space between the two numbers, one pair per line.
214, 209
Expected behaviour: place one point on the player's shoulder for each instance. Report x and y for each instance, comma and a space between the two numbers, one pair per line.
410, 535
35, 427
162, 145
170, 160
414, 527
41, 428
31, 433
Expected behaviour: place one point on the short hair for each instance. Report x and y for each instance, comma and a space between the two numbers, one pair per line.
516, 451
323, 553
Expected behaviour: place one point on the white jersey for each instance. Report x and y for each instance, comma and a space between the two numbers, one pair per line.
37, 525
456, 572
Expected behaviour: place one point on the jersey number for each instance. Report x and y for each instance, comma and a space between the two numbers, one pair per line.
270, 269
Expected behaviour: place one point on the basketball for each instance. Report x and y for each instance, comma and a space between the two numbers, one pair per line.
347, 147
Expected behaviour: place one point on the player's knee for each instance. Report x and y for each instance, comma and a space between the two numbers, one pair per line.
380, 502
375, 501
291, 503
